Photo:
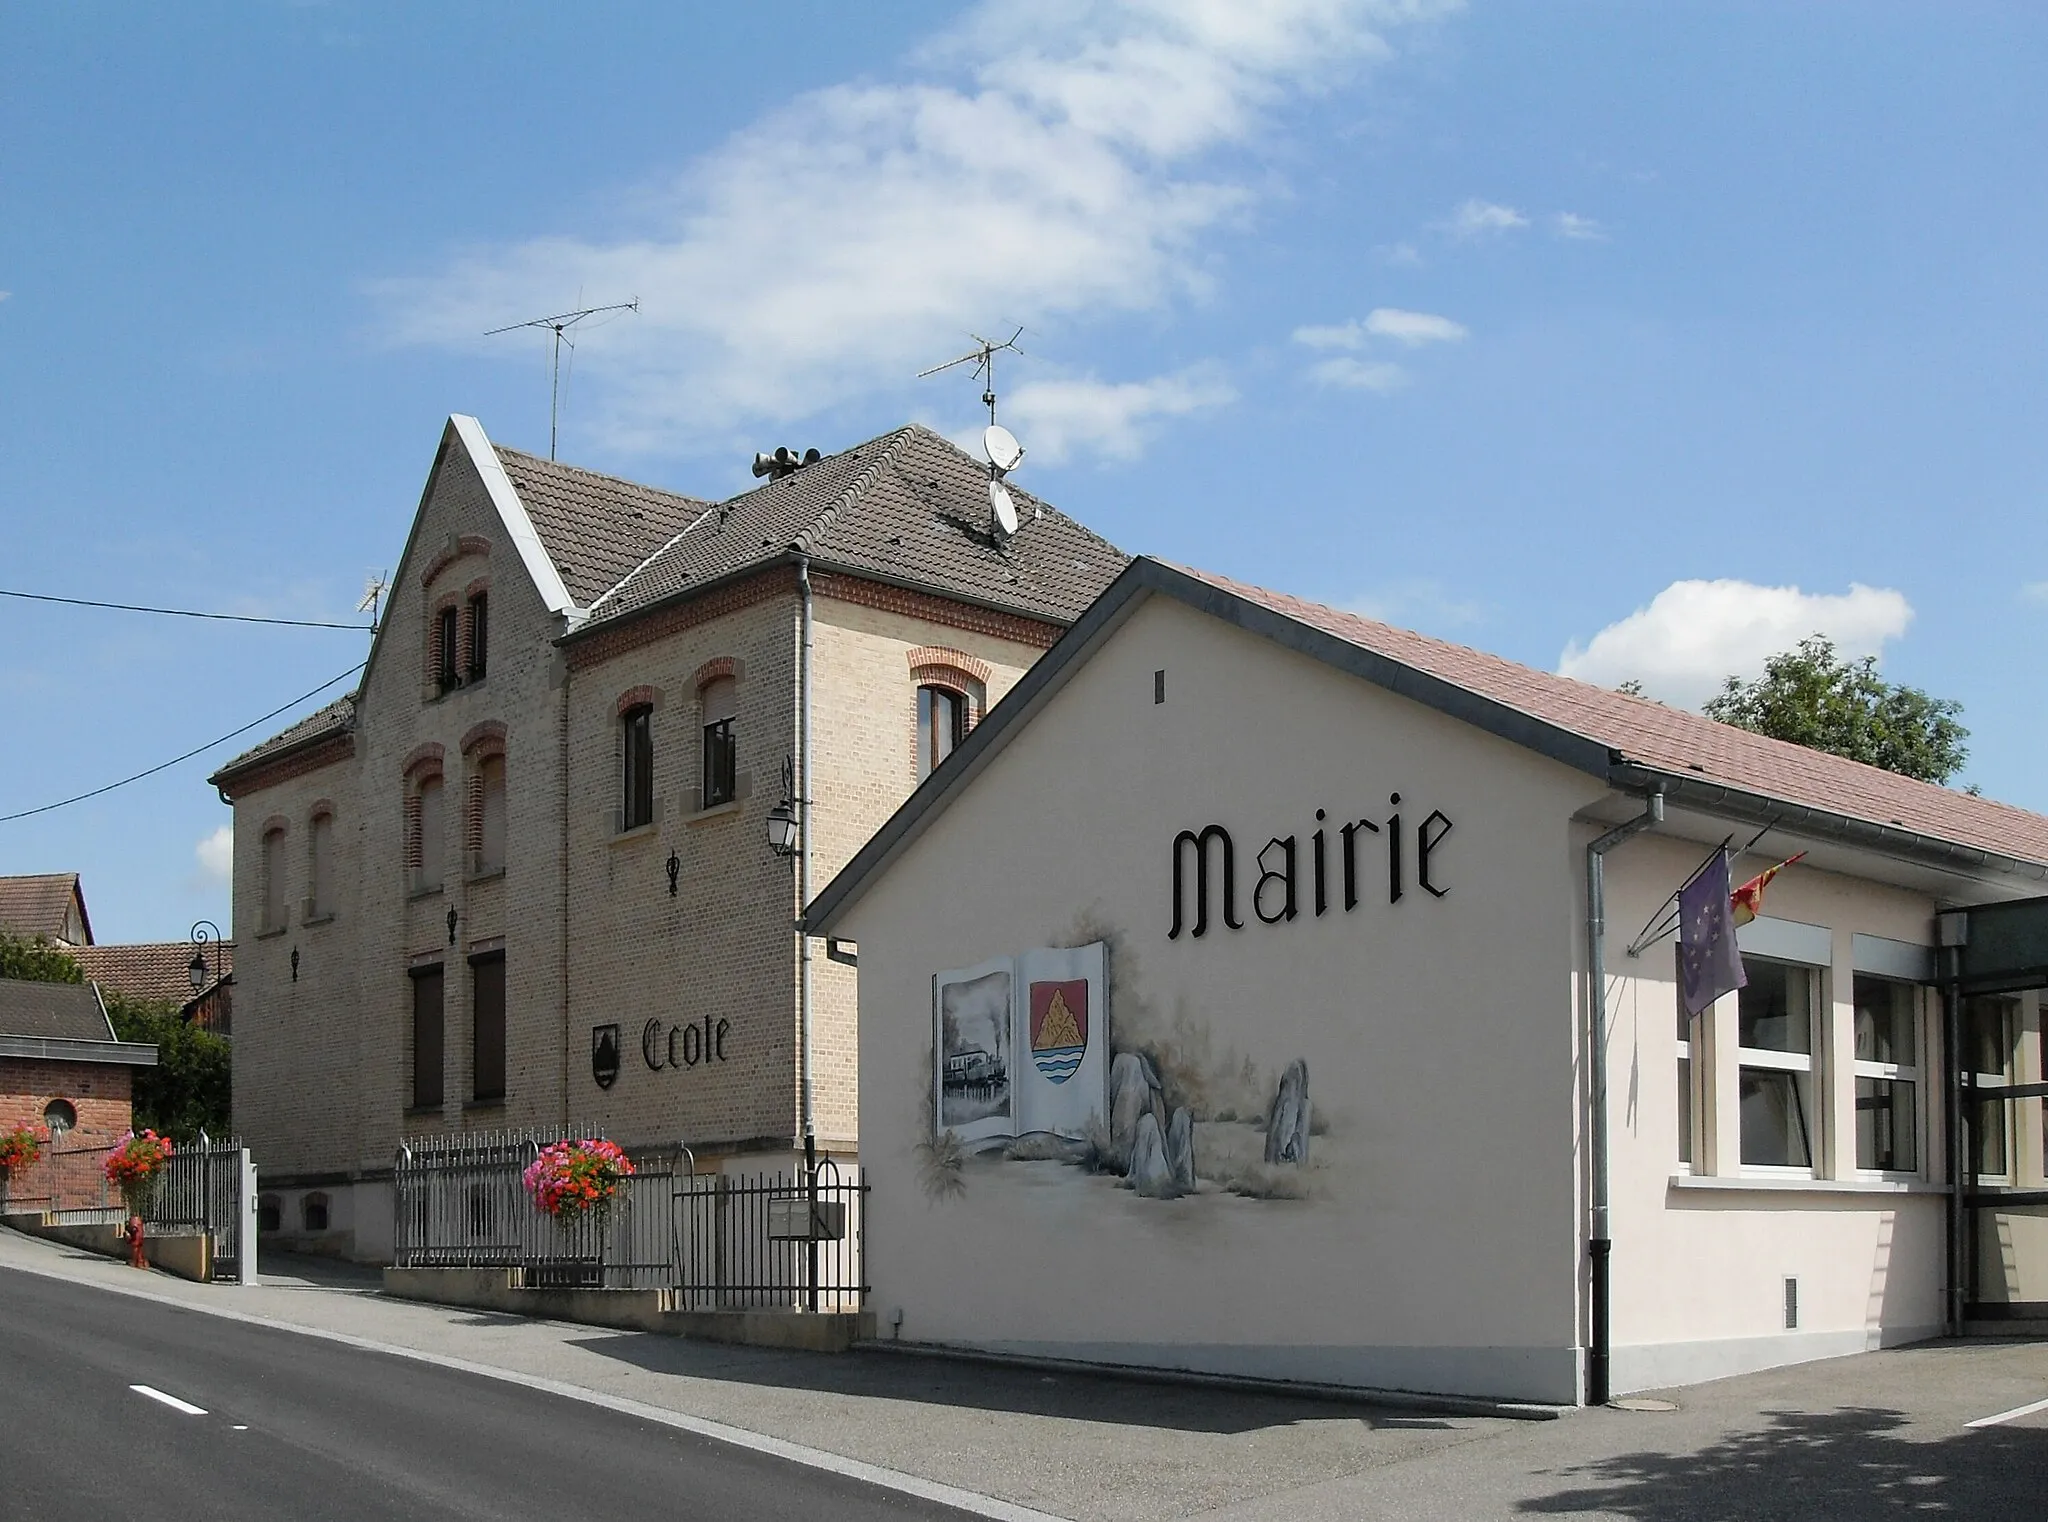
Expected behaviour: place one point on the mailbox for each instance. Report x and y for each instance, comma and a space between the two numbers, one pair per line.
794, 1218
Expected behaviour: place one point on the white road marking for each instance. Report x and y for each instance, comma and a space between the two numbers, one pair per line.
239, 1427
170, 1400
796, 1453
2006, 1416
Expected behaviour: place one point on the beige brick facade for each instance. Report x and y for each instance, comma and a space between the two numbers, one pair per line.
696, 970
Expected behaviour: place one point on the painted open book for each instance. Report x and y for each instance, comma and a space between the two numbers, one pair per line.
1022, 1043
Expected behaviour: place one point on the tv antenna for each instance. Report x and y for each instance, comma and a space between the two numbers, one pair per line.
997, 442
373, 596
561, 325
983, 356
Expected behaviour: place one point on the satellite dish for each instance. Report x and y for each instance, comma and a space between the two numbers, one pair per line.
1001, 447
1005, 510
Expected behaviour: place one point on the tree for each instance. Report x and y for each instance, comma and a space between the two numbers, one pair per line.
188, 1090
37, 961
1813, 697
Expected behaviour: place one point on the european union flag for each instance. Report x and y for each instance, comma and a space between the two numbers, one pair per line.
1709, 962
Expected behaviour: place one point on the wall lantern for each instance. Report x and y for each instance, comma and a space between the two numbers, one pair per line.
203, 933
783, 831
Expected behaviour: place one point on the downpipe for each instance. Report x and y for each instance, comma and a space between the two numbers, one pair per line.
805, 653
1599, 1241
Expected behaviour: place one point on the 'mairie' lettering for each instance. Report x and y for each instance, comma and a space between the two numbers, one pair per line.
1274, 896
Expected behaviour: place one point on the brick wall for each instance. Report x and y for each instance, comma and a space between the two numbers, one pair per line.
98, 1091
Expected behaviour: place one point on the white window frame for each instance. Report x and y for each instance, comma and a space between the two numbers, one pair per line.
1691, 1118
2015, 1012
1808, 1063
1896, 1072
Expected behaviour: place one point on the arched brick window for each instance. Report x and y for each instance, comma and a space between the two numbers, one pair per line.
952, 688
426, 820
719, 702
320, 862
274, 876
476, 631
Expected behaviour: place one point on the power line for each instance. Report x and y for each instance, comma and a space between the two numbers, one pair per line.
196, 750
236, 618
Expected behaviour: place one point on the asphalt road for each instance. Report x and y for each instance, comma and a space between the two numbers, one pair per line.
299, 1428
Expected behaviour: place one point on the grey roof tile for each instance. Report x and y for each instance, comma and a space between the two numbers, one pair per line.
60, 1011
595, 528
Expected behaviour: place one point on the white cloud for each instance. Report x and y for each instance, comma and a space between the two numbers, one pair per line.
1048, 161
1481, 219
1417, 603
1375, 375
1696, 634
216, 855
1410, 329
1569, 224
1402, 254
1058, 419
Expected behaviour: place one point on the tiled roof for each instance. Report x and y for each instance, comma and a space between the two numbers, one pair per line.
60, 1011
337, 718
1672, 740
38, 905
595, 528
152, 969
907, 507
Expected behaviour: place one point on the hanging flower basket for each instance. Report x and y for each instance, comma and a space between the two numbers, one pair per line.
21, 1147
572, 1180
136, 1168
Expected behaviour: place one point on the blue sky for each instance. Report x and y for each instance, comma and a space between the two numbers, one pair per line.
1635, 339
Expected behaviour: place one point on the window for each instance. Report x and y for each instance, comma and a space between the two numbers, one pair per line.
636, 781
1685, 1071
490, 808
941, 725
273, 880
1990, 1026
479, 634
721, 750
313, 1212
447, 674
432, 834
269, 1214
487, 1026
1774, 1081
1887, 1075
60, 1115
321, 865
426, 1038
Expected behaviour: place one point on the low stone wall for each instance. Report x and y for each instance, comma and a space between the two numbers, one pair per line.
189, 1256
630, 1310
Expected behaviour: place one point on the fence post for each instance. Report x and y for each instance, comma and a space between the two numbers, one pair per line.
245, 1236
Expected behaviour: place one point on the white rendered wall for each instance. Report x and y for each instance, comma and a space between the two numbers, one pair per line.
1437, 1244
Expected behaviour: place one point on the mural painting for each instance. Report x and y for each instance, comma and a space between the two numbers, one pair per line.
1030, 1066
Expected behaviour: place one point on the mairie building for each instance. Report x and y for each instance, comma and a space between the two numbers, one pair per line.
522, 875
1269, 992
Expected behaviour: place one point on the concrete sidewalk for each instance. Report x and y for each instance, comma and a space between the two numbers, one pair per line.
1870, 1436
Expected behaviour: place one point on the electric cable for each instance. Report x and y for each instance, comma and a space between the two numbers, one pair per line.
236, 618
195, 751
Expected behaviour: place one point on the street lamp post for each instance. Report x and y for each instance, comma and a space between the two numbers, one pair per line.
205, 932
786, 839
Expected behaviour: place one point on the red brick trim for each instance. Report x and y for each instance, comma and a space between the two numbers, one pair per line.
1040, 633
468, 544
636, 633
480, 737
420, 757
953, 678
276, 824
481, 584
320, 806
943, 655
288, 768
638, 697
718, 668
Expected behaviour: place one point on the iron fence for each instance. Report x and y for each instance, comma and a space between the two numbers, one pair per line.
718, 1241
201, 1189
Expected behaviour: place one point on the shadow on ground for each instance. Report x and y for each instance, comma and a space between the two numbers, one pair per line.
954, 1382
1848, 1463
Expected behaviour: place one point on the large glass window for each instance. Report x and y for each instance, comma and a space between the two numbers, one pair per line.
721, 745
636, 783
487, 1026
1990, 1026
426, 1038
1775, 1088
1887, 1075
941, 725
